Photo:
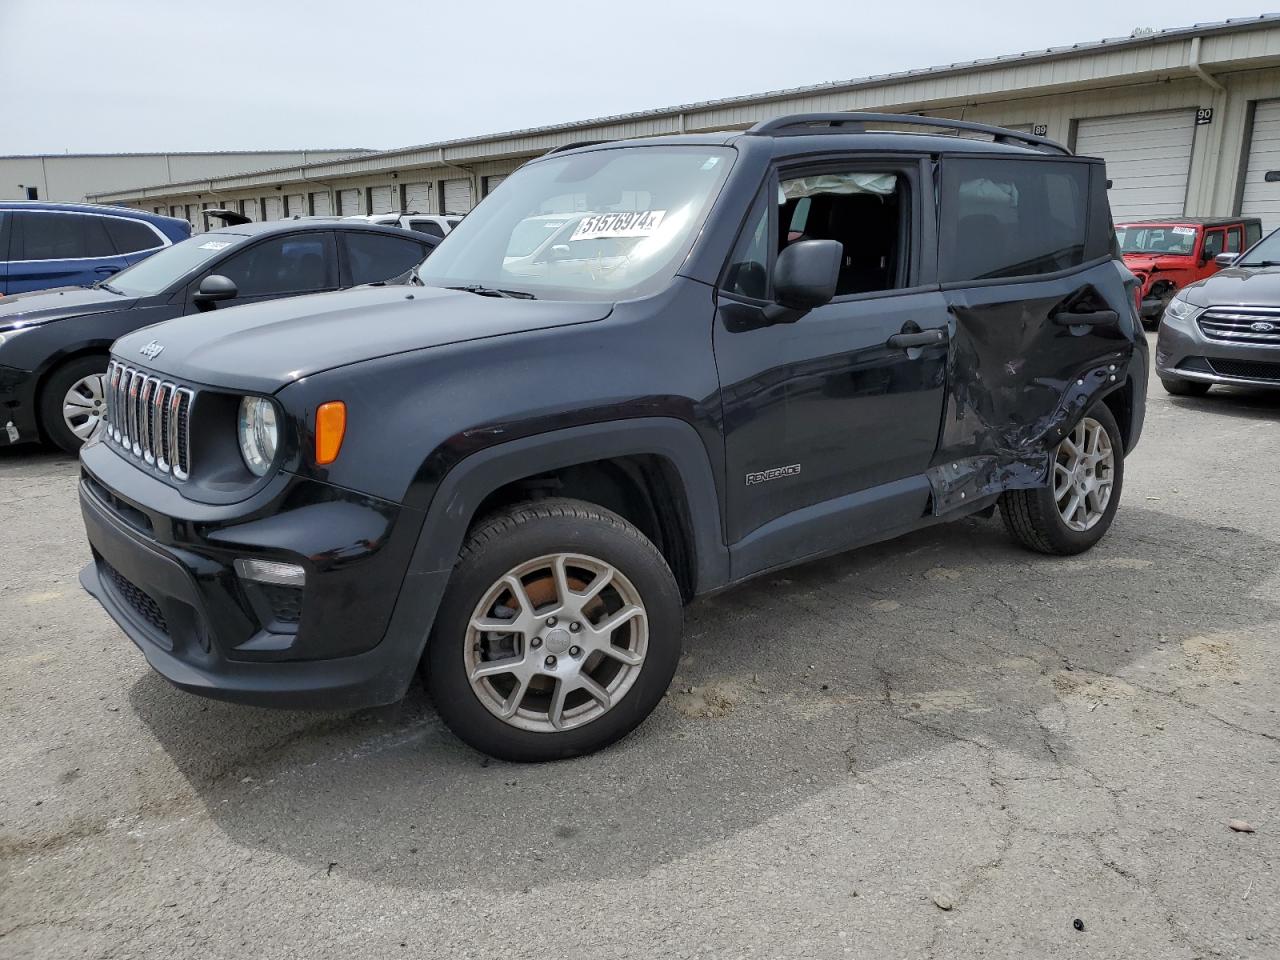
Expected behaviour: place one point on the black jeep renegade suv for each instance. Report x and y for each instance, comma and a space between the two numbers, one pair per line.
638, 372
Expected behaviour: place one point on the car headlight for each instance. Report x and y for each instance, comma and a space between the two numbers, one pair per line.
259, 434
1180, 309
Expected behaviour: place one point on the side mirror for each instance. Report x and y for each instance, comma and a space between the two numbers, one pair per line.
1226, 259
215, 287
804, 277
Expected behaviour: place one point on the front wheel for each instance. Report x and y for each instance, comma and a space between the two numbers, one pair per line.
559, 632
1075, 510
73, 402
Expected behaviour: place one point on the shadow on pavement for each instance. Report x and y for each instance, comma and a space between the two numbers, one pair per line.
790, 684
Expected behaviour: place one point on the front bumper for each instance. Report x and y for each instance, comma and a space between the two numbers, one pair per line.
17, 406
168, 580
1183, 352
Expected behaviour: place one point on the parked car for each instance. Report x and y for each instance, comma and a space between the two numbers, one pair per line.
54, 343
45, 245
1225, 329
1168, 254
432, 224
821, 337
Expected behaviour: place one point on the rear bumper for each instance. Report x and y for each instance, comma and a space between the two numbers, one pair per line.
1183, 352
199, 625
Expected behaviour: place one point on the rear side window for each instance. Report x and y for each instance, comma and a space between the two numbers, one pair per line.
291, 264
46, 235
376, 256
130, 236
429, 227
1252, 233
1012, 218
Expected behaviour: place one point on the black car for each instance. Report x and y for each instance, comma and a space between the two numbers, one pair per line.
1225, 329
54, 343
738, 352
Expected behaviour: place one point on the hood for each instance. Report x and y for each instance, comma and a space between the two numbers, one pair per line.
264, 346
1237, 286
1144, 262
43, 306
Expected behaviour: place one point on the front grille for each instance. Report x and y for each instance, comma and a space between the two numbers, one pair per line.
1246, 369
138, 599
1241, 325
149, 418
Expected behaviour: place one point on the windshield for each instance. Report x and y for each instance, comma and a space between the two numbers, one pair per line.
607, 224
161, 270
1265, 252
1166, 238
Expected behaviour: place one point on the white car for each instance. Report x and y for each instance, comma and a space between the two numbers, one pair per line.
432, 224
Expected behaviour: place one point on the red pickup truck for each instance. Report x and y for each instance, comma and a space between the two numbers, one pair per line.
1168, 254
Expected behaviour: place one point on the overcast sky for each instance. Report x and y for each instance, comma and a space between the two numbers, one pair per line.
151, 75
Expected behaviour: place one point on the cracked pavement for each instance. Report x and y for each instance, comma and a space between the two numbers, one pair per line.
938, 747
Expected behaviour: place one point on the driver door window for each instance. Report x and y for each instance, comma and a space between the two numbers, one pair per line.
282, 266
1213, 242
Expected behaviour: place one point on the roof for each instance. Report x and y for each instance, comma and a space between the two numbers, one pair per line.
260, 227
1199, 221
99, 208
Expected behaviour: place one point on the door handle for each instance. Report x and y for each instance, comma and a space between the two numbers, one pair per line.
1086, 318
922, 338
106, 271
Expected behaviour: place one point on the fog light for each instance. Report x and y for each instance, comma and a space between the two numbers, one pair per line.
270, 571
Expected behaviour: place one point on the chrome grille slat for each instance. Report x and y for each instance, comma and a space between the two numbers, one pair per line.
1235, 325
148, 417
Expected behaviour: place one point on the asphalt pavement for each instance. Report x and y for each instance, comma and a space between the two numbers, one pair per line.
942, 746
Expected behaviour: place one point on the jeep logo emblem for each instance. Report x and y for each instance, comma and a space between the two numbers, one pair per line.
152, 349
1262, 327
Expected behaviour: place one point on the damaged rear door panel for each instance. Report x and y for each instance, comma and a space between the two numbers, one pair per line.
1042, 323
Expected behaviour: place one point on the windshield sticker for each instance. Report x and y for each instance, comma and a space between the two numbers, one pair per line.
215, 245
710, 163
1185, 231
641, 223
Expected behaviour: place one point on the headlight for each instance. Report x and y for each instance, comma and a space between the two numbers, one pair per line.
1179, 309
258, 434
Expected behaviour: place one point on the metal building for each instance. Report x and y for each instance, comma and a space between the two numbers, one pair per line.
1188, 120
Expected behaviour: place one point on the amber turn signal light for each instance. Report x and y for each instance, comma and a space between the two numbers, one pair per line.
331, 425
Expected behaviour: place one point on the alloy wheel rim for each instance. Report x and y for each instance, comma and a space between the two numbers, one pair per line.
556, 642
84, 405
1084, 475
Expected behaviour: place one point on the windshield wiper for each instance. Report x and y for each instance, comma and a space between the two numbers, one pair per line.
1258, 263
483, 291
103, 285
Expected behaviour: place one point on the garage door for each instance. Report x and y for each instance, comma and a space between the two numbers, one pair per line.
320, 204
491, 183
296, 204
273, 209
380, 200
1262, 199
457, 196
1148, 158
348, 202
417, 197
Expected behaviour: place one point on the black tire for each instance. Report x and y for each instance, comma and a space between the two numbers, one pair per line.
1033, 519
499, 544
53, 393
1185, 388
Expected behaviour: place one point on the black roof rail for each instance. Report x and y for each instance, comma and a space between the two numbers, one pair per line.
575, 145
800, 123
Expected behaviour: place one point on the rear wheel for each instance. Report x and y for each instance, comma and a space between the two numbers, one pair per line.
559, 632
1185, 388
1075, 510
73, 402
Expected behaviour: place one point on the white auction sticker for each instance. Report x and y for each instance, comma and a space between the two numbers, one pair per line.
1185, 231
637, 223
215, 245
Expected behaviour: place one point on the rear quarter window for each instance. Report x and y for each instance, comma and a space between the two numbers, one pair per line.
131, 236
1006, 218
